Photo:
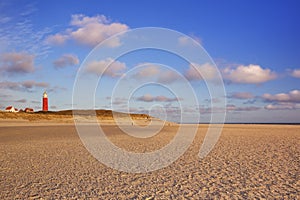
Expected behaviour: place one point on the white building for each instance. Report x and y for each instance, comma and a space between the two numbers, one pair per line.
11, 109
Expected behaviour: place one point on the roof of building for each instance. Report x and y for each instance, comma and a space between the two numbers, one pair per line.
28, 109
9, 107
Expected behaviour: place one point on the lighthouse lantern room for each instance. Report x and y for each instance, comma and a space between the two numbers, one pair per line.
45, 101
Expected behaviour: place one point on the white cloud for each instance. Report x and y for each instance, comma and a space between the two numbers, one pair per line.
17, 63
161, 98
10, 85
146, 98
107, 67
90, 31
25, 85
168, 77
296, 73
152, 71
31, 84
148, 70
4, 20
93, 34
283, 106
242, 95
18, 32
66, 60
201, 72
283, 101
247, 108
251, 74
57, 39
292, 97
82, 20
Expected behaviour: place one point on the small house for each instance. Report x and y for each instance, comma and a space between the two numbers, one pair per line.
11, 109
28, 110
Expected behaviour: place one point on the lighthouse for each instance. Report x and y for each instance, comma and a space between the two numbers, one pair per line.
45, 101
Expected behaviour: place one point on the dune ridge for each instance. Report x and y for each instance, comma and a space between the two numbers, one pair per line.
66, 116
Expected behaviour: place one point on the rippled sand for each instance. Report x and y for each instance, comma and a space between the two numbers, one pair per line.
50, 162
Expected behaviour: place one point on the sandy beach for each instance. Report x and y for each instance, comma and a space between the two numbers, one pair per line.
40, 161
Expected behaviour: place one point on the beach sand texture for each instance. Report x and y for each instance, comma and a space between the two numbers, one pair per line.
50, 162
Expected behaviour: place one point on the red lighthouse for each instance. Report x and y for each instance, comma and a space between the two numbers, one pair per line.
45, 101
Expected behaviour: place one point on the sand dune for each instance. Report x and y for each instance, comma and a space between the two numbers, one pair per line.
50, 162
105, 117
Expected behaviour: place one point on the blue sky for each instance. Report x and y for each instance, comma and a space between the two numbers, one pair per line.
255, 45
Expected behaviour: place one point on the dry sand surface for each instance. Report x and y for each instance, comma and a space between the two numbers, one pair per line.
50, 162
